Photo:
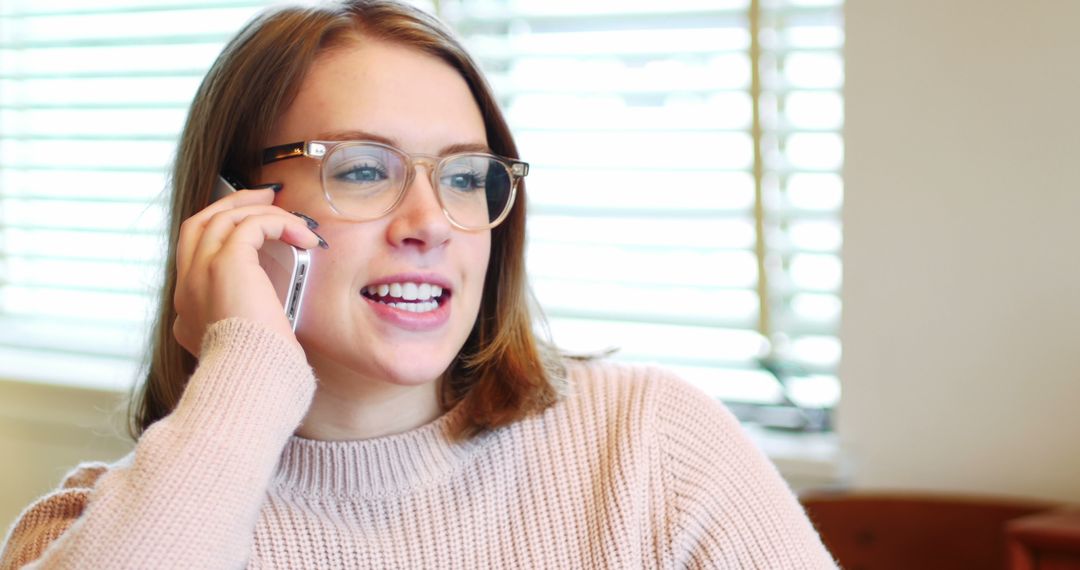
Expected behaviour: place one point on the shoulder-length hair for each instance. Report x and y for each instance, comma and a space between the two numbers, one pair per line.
503, 372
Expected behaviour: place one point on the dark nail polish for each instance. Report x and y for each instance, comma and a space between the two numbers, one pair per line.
322, 242
275, 186
311, 223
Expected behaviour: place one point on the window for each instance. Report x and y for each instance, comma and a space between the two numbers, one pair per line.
92, 97
685, 186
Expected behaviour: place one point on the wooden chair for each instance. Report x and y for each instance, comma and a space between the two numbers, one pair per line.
879, 531
1045, 541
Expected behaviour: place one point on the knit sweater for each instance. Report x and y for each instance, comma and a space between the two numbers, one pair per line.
634, 469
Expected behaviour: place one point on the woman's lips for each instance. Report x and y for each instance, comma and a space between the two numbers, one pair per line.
408, 319
412, 301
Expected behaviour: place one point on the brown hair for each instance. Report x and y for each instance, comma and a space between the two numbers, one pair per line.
503, 372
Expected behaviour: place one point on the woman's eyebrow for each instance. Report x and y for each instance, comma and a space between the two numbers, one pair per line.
355, 135
465, 147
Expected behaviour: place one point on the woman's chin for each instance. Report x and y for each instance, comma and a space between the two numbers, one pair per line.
374, 356
413, 375
391, 367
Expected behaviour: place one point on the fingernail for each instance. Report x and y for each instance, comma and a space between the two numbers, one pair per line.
275, 186
311, 223
322, 242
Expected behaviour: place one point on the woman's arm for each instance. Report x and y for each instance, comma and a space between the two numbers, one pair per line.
728, 506
190, 494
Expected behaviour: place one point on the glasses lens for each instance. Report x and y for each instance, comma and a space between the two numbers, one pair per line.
475, 189
363, 181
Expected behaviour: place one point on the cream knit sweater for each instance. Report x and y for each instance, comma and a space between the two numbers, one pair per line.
635, 469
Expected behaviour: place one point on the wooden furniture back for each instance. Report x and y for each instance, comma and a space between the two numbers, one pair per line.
883, 532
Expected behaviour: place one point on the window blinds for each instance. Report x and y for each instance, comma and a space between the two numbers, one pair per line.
92, 97
665, 204
667, 220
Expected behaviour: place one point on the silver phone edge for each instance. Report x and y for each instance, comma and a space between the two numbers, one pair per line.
295, 296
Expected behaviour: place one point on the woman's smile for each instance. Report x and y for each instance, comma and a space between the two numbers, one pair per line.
416, 302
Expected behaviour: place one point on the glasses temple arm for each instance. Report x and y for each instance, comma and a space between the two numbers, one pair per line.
281, 152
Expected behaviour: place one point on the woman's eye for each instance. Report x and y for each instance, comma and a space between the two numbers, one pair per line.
462, 181
362, 174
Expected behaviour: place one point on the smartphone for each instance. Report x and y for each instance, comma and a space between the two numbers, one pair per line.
286, 265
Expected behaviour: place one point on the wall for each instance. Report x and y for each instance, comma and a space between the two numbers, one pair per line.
961, 370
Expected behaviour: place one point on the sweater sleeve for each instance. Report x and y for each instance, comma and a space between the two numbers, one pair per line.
728, 505
190, 493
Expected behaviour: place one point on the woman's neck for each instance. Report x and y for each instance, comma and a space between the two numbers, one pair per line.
351, 409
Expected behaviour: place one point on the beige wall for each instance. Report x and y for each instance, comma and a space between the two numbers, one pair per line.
961, 369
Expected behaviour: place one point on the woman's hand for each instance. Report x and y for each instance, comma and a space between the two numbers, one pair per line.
217, 260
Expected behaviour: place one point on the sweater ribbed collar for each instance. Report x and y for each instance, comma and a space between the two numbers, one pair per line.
379, 467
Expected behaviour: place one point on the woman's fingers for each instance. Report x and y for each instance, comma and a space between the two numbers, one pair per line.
253, 225
191, 229
218, 264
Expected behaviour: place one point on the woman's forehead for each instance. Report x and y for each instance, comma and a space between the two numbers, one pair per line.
395, 91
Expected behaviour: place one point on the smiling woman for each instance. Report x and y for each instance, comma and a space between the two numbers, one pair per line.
413, 419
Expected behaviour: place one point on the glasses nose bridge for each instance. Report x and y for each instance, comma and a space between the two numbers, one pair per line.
428, 161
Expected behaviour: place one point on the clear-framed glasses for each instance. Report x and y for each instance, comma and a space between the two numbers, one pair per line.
365, 180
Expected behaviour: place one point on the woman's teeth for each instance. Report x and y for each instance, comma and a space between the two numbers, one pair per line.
422, 307
413, 297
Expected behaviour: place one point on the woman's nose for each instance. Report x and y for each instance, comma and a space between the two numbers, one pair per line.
419, 221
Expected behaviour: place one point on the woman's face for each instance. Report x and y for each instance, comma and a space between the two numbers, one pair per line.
419, 104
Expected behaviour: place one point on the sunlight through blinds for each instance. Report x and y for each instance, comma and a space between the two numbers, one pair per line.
637, 117
92, 97
638, 120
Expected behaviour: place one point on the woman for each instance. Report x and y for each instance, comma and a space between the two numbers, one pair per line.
412, 420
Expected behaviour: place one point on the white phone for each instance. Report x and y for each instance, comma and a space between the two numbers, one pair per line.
286, 265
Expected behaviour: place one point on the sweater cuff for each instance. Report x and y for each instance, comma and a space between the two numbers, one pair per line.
251, 386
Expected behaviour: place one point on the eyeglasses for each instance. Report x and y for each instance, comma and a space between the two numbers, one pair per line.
364, 180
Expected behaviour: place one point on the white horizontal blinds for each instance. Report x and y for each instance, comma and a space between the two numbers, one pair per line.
637, 119
93, 94
92, 97
802, 76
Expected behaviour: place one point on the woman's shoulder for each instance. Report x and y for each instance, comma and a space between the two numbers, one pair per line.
641, 380
657, 392
604, 371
